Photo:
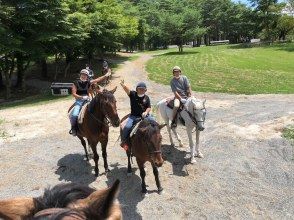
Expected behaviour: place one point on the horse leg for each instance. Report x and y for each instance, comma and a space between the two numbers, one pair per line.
170, 135
96, 156
155, 172
89, 149
129, 172
198, 153
191, 144
142, 175
178, 137
104, 154
85, 147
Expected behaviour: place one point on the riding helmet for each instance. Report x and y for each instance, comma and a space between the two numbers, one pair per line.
85, 71
141, 85
177, 68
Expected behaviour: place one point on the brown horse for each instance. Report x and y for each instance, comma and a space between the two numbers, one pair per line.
145, 145
95, 126
65, 201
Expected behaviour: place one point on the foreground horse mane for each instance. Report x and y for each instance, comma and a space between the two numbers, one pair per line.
65, 200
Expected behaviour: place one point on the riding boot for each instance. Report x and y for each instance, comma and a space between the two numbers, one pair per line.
74, 122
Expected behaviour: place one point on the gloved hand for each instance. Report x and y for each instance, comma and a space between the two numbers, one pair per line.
85, 97
108, 74
144, 114
183, 100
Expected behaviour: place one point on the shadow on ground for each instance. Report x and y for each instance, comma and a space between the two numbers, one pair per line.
177, 158
76, 169
130, 190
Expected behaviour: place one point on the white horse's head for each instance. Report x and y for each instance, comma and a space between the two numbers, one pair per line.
198, 111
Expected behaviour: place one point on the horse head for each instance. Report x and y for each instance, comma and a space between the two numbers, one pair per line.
66, 201
149, 132
107, 105
198, 111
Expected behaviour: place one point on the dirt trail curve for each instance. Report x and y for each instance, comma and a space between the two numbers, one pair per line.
247, 171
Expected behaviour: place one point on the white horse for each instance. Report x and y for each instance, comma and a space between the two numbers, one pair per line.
193, 114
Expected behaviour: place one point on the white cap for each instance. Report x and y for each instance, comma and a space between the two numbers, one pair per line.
177, 68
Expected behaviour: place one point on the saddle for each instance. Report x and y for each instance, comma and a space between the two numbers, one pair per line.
170, 104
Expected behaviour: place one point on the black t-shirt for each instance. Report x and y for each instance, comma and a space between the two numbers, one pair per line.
138, 104
82, 86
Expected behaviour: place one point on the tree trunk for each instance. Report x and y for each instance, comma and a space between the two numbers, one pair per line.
19, 66
1, 81
44, 69
66, 69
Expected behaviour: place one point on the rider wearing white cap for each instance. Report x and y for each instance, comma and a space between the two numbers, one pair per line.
80, 90
181, 88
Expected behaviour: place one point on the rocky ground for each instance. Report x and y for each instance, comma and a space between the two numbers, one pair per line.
247, 171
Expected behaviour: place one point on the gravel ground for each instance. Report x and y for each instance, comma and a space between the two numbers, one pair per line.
247, 171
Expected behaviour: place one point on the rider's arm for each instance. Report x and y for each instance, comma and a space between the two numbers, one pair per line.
177, 95
99, 79
74, 92
189, 91
127, 90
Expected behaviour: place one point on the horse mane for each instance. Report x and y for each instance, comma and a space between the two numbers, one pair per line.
98, 101
148, 127
62, 195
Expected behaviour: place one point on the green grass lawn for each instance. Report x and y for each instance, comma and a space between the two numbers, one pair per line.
230, 68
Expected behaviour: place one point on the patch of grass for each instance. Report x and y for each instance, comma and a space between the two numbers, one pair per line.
230, 68
288, 133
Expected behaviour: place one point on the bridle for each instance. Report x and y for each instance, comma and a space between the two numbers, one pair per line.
105, 121
193, 118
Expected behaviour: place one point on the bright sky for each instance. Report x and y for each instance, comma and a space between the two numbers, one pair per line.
247, 2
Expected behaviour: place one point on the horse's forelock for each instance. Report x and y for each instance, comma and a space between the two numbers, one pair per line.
63, 194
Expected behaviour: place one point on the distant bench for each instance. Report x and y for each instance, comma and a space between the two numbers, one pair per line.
217, 42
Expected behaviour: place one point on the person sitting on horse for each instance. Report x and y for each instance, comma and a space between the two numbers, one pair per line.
140, 109
105, 67
181, 88
91, 73
80, 91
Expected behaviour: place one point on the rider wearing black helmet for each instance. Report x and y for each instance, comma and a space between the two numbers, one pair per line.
140, 108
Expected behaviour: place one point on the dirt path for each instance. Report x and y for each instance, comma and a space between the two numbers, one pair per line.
247, 171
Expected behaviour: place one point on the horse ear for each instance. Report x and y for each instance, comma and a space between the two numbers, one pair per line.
161, 126
113, 91
17, 208
101, 204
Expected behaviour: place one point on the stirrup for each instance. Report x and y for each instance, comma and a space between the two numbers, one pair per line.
173, 124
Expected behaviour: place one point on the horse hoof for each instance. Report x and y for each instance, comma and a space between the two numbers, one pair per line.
107, 170
193, 161
160, 191
129, 174
144, 194
200, 155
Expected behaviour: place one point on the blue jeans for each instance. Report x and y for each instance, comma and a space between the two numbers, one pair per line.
130, 122
76, 110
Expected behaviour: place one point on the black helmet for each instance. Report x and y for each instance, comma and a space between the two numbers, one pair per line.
141, 85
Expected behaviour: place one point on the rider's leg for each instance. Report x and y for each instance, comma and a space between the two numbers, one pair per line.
74, 117
126, 130
175, 110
